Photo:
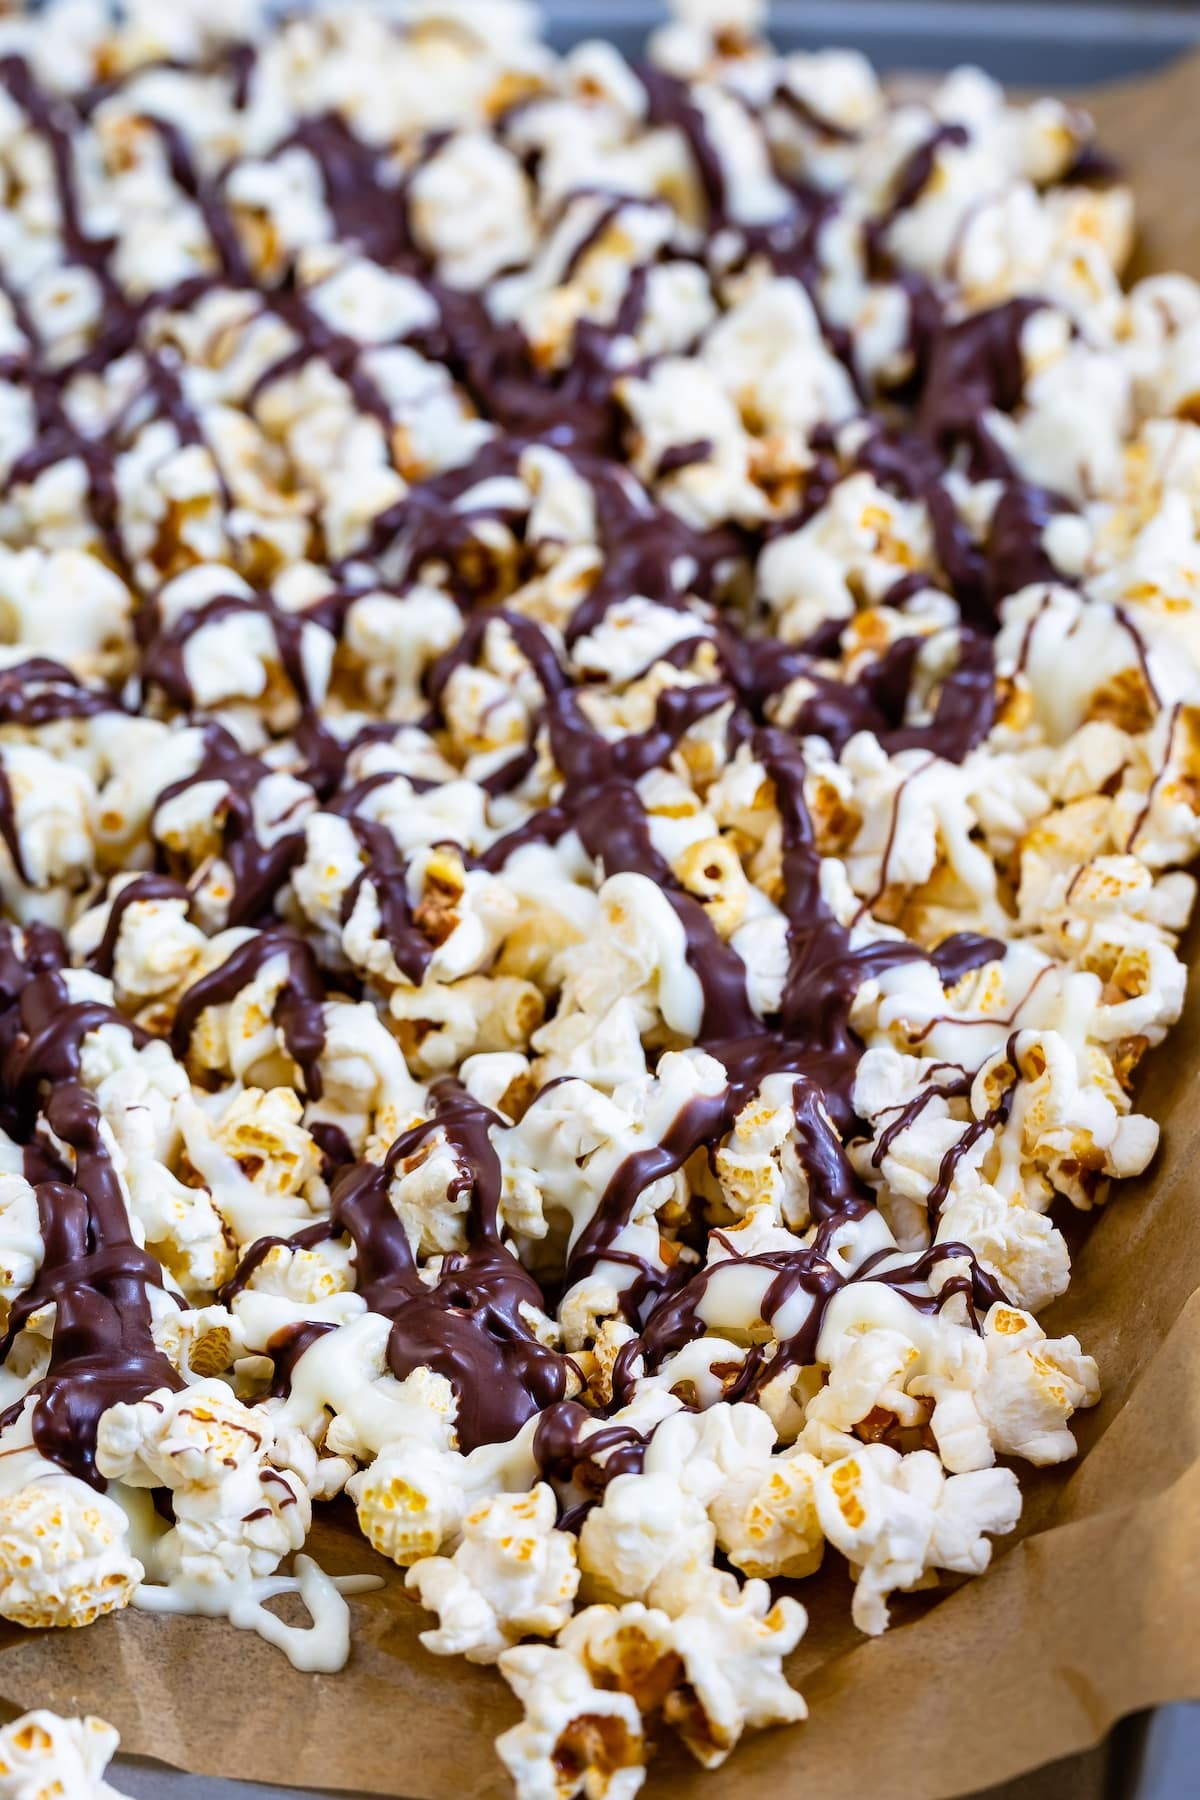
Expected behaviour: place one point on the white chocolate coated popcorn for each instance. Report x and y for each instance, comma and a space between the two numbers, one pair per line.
41, 1753
66, 1556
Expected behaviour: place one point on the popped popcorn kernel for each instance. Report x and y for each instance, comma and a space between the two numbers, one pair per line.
42, 1755
65, 1556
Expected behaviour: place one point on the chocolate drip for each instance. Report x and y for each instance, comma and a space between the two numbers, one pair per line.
809, 116
41, 691
565, 1455
92, 1271
258, 870
141, 889
669, 102
877, 700
975, 366
257, 1254
682, 456
320, 342
387, 871
164, 663
700, 1122
677, 1321
644, 545
42, 1039
1016, 556
299, 1009
980, 1289
356, 188
956, 956
911, 181
912, 1109
217, 221
52, 121
98, 1280
824, 973
287, 1347
834, 1190
977, 1129
333, 1144
529, 638
471, 1324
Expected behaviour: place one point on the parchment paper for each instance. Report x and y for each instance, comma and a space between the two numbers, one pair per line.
1091, 1611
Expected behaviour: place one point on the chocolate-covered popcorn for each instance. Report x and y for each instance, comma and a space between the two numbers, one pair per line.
598, 748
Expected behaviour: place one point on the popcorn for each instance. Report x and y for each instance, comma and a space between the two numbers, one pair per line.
598, 723
199, 1342
410, 1502
512, 1576
41, 1753
48, 844
575, 1738
68, 605
65, 1556
679, 404
236, 1511
896, 1518
1025, 1388
156, 947
471, 210
759, 1164
21, 1246
440, 1024
713, 1671
641, 959
262, 1133
768, 354
774, 1530
646, 1536
732, 1642
1025, 1252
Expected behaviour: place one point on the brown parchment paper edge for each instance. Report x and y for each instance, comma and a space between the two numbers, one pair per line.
1092, 1611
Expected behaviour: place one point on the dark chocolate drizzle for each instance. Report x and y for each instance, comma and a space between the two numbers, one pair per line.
470, 1323
92, 1272
299, 1008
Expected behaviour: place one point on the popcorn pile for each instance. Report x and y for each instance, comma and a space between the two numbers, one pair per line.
42, 1755
599, 717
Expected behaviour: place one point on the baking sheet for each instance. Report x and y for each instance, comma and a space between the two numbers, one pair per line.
1089, 1614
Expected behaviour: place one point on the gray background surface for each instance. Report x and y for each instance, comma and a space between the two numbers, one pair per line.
1155, 1758
1060, 45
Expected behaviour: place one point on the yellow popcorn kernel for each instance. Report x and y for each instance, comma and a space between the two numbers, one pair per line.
710, 870
1126, 700
845, 1481
396, 1519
